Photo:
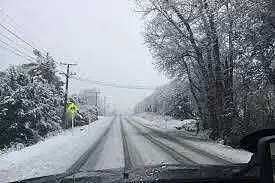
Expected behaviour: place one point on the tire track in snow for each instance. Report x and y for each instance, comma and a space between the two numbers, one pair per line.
173, 153
127, 160
132, 156
183, 144
92, 152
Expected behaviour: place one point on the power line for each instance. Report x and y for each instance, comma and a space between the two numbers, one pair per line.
12, 47
11, 20
29, 43
11, 40
16, 53
18, 37
6, 37
115, 85
13, 31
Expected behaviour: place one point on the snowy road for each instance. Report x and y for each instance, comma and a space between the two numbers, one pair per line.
129, 143
113, 143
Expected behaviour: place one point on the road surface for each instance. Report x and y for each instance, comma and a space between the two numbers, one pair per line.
128, 143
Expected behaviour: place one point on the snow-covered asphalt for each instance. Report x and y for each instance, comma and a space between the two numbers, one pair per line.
130, 143
113, 143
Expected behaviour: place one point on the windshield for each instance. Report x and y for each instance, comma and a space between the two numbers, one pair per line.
120, 86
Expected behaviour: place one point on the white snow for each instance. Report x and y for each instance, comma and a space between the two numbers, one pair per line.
146, 153
58, 153
111, 152
225, 152
52, 156
168, 122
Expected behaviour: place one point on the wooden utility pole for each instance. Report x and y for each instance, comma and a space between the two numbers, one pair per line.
104, 105
96, 99
67, 75
96, 103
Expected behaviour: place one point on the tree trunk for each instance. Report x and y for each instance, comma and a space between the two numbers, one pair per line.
211, 90
208, 78
192, 89
228, 85
218, 71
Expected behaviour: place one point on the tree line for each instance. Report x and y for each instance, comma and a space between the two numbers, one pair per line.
172, 99
225, 49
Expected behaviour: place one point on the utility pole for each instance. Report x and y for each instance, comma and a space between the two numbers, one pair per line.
96, 99
67, 75
104, 105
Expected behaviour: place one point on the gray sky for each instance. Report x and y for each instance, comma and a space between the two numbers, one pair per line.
103, 37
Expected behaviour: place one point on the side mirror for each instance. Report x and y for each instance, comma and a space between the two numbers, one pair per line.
266, 159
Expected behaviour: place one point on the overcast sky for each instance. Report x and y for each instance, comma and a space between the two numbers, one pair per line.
103, 37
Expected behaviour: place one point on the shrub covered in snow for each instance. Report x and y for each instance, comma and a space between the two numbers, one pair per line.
30, 102
86, 114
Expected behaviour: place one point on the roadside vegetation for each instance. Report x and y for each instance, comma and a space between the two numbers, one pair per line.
32, 103
220, 57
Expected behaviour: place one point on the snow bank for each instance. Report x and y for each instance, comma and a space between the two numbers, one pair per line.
52, 156
225, 152
168, 122
215, 148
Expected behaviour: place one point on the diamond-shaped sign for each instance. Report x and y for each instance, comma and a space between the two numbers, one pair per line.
72, 108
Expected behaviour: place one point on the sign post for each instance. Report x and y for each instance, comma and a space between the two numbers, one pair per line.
72, 109
89, 125
72, 121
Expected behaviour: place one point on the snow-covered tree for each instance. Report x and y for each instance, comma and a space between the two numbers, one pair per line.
30, 102
172, 99
225, 49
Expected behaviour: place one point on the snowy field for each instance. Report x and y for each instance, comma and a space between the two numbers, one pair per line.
52, 156
226, 152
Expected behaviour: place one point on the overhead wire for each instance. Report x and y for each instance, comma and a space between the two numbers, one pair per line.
28, 43
22, 54
11, 40
16, 53
14, 22
18, 37
114, 85
6, 37
14, 48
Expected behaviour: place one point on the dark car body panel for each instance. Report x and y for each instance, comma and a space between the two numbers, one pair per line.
159, 173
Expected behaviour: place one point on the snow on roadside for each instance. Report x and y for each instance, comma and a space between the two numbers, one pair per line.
167, 122
225, 152
52, 156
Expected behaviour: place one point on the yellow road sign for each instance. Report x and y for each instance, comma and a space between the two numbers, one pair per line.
72, 108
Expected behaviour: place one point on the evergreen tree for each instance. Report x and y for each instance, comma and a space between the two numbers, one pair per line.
30, 102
